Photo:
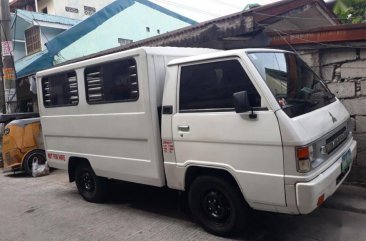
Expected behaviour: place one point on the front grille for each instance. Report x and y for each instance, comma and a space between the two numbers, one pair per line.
336, 140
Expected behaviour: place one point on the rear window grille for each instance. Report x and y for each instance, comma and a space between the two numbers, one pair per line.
94, 86
60, 90
115, 81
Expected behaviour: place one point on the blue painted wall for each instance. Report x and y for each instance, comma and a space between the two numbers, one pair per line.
131, 23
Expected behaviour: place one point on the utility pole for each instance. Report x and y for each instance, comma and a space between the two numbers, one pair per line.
35, 5
2, 91
8, 79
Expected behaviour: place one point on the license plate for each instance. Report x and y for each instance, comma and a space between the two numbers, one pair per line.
346, 161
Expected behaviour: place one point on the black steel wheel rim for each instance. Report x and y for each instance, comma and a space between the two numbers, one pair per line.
216, 206
87, 182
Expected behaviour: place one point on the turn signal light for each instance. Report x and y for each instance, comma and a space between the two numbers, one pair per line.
302, 153
321, 200
304, 157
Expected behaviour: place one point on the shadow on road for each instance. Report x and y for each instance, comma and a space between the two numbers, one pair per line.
330, 222
17, 175
171, 203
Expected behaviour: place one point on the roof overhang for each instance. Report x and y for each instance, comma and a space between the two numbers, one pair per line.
331, 34
50, 25
243, 29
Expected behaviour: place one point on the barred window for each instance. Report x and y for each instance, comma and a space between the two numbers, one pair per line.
89, 10
112, 82
71, 10
60, 90
123, 41
33, 40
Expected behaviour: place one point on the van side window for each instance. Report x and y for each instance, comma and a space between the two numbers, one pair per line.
112, 82
210, 86
60, 90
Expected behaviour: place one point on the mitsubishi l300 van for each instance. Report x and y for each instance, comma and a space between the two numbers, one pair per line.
234, 129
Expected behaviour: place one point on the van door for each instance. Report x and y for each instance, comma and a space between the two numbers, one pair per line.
208, 132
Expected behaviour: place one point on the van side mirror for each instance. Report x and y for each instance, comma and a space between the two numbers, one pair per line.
241, 103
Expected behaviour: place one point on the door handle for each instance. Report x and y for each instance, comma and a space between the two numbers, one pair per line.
183, 128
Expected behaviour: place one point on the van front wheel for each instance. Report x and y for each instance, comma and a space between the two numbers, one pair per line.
91, 187
217, 205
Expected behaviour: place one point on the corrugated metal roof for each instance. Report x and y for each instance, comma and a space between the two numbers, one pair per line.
33, 63
236, 24
42, 17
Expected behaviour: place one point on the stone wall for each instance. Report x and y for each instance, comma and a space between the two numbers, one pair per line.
344, 71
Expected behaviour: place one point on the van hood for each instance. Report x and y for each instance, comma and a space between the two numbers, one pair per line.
304, 129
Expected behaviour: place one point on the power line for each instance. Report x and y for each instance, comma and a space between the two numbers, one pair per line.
294, 17
228, 4
188, 8
293, 49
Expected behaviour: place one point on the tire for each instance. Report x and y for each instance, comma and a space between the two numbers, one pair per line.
38, 156
217, 205
91, 187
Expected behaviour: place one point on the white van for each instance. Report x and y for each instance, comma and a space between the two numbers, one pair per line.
238, 128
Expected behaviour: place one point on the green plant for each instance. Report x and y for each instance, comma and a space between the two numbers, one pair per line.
350, 11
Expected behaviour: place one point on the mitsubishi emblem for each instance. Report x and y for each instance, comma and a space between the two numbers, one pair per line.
333, 118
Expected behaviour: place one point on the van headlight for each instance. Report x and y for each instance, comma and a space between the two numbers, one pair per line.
304, 157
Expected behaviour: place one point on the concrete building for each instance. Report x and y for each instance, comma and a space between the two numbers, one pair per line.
120, 23
30, 31
77, 9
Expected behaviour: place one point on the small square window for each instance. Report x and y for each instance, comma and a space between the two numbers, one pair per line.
147, 29
71, 10
123, 41
33, 40
89, 10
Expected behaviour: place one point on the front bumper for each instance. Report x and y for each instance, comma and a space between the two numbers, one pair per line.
308, 193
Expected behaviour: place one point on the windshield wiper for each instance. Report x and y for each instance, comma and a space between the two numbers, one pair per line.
329, 96
305, 101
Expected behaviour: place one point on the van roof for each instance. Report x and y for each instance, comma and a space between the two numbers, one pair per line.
165, 51
220, 54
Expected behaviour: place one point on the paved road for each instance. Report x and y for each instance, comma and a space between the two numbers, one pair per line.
49, 208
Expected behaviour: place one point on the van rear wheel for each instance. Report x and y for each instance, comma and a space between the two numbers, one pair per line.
217, 205
91, 187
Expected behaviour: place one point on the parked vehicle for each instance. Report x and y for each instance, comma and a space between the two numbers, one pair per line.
22, 142
238, 128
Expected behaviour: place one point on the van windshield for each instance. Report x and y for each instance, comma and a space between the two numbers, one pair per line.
295, 86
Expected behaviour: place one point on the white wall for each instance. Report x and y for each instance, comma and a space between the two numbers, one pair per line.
46, 3
57, 7
19, 50
47, 34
